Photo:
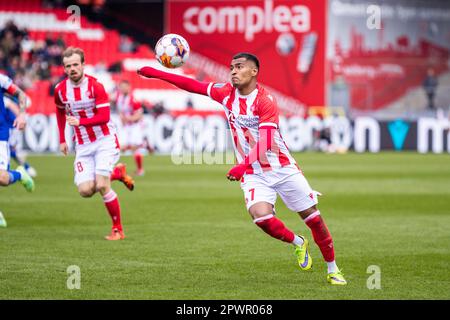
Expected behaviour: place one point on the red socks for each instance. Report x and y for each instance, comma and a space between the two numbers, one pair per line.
138, 157
113, 207
321, 235
275, 228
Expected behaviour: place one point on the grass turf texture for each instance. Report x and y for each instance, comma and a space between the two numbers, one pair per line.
189, 236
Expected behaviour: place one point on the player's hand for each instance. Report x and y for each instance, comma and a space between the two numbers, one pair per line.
63, 148
20, 121
73, 121
237, 172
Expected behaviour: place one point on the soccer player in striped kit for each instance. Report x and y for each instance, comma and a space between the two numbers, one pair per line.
131, 115
82, 102
265, 166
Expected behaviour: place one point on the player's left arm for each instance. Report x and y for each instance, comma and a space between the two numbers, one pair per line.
268, 124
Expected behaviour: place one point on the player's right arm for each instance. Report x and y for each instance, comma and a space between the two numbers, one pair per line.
181, 82
61, 120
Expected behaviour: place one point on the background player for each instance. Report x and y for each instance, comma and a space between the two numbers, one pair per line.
16, 153
265, 164
7, 176
131, 114
86, 104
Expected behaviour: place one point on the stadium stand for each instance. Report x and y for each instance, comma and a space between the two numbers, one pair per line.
31, 55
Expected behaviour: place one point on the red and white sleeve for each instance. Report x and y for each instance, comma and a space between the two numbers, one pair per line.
101, 97
218, 91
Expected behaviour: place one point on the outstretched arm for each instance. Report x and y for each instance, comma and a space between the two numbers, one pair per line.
181, 82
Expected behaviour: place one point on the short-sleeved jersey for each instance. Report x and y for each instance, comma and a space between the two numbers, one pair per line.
246, 114
126, 104
83, 101
6, 116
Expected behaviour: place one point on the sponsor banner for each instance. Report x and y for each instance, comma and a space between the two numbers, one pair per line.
167, 134
388, 58
287, 36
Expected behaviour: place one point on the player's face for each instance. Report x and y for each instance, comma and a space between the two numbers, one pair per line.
124, 88
73, 67
242, 72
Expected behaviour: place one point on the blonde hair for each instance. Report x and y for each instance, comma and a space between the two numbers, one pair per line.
73, 50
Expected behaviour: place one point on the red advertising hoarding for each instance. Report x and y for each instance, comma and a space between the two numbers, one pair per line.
287, 36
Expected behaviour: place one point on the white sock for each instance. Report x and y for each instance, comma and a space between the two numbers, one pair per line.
332, 267
297, 240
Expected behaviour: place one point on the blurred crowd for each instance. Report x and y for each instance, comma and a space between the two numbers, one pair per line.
26, 61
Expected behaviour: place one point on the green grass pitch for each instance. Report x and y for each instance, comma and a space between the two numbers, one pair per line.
189, 236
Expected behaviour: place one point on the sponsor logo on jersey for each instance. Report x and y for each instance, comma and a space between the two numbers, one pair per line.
247, 121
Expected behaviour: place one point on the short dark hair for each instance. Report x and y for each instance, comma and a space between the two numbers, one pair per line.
247, 56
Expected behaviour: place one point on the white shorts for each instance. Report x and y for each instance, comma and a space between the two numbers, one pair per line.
288, 182
132, 135
4, 155
98, 157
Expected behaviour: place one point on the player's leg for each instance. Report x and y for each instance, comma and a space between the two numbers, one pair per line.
8, 176
106, 157
139, 161
136, 142
298, 196
324, 241
120, 171
84, 169
260, 200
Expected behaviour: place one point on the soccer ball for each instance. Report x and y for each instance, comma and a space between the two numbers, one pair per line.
172, 50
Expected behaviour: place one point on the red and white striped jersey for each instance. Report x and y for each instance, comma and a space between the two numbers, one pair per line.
126, 104
82, 101
246, 114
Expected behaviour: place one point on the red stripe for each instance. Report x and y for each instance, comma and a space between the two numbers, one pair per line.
78, 134
284, 160
89, 130
242, 106
105, 129
233, 128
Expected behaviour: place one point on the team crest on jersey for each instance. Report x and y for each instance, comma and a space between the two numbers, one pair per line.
231, 117
89, 94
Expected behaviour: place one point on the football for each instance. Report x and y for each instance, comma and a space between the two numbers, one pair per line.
172, 50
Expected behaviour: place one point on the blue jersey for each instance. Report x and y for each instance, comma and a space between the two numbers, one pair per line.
5, 114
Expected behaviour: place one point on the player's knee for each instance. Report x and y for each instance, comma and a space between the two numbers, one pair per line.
260, 209
307, 212
4, 178
86, 192
102, 187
